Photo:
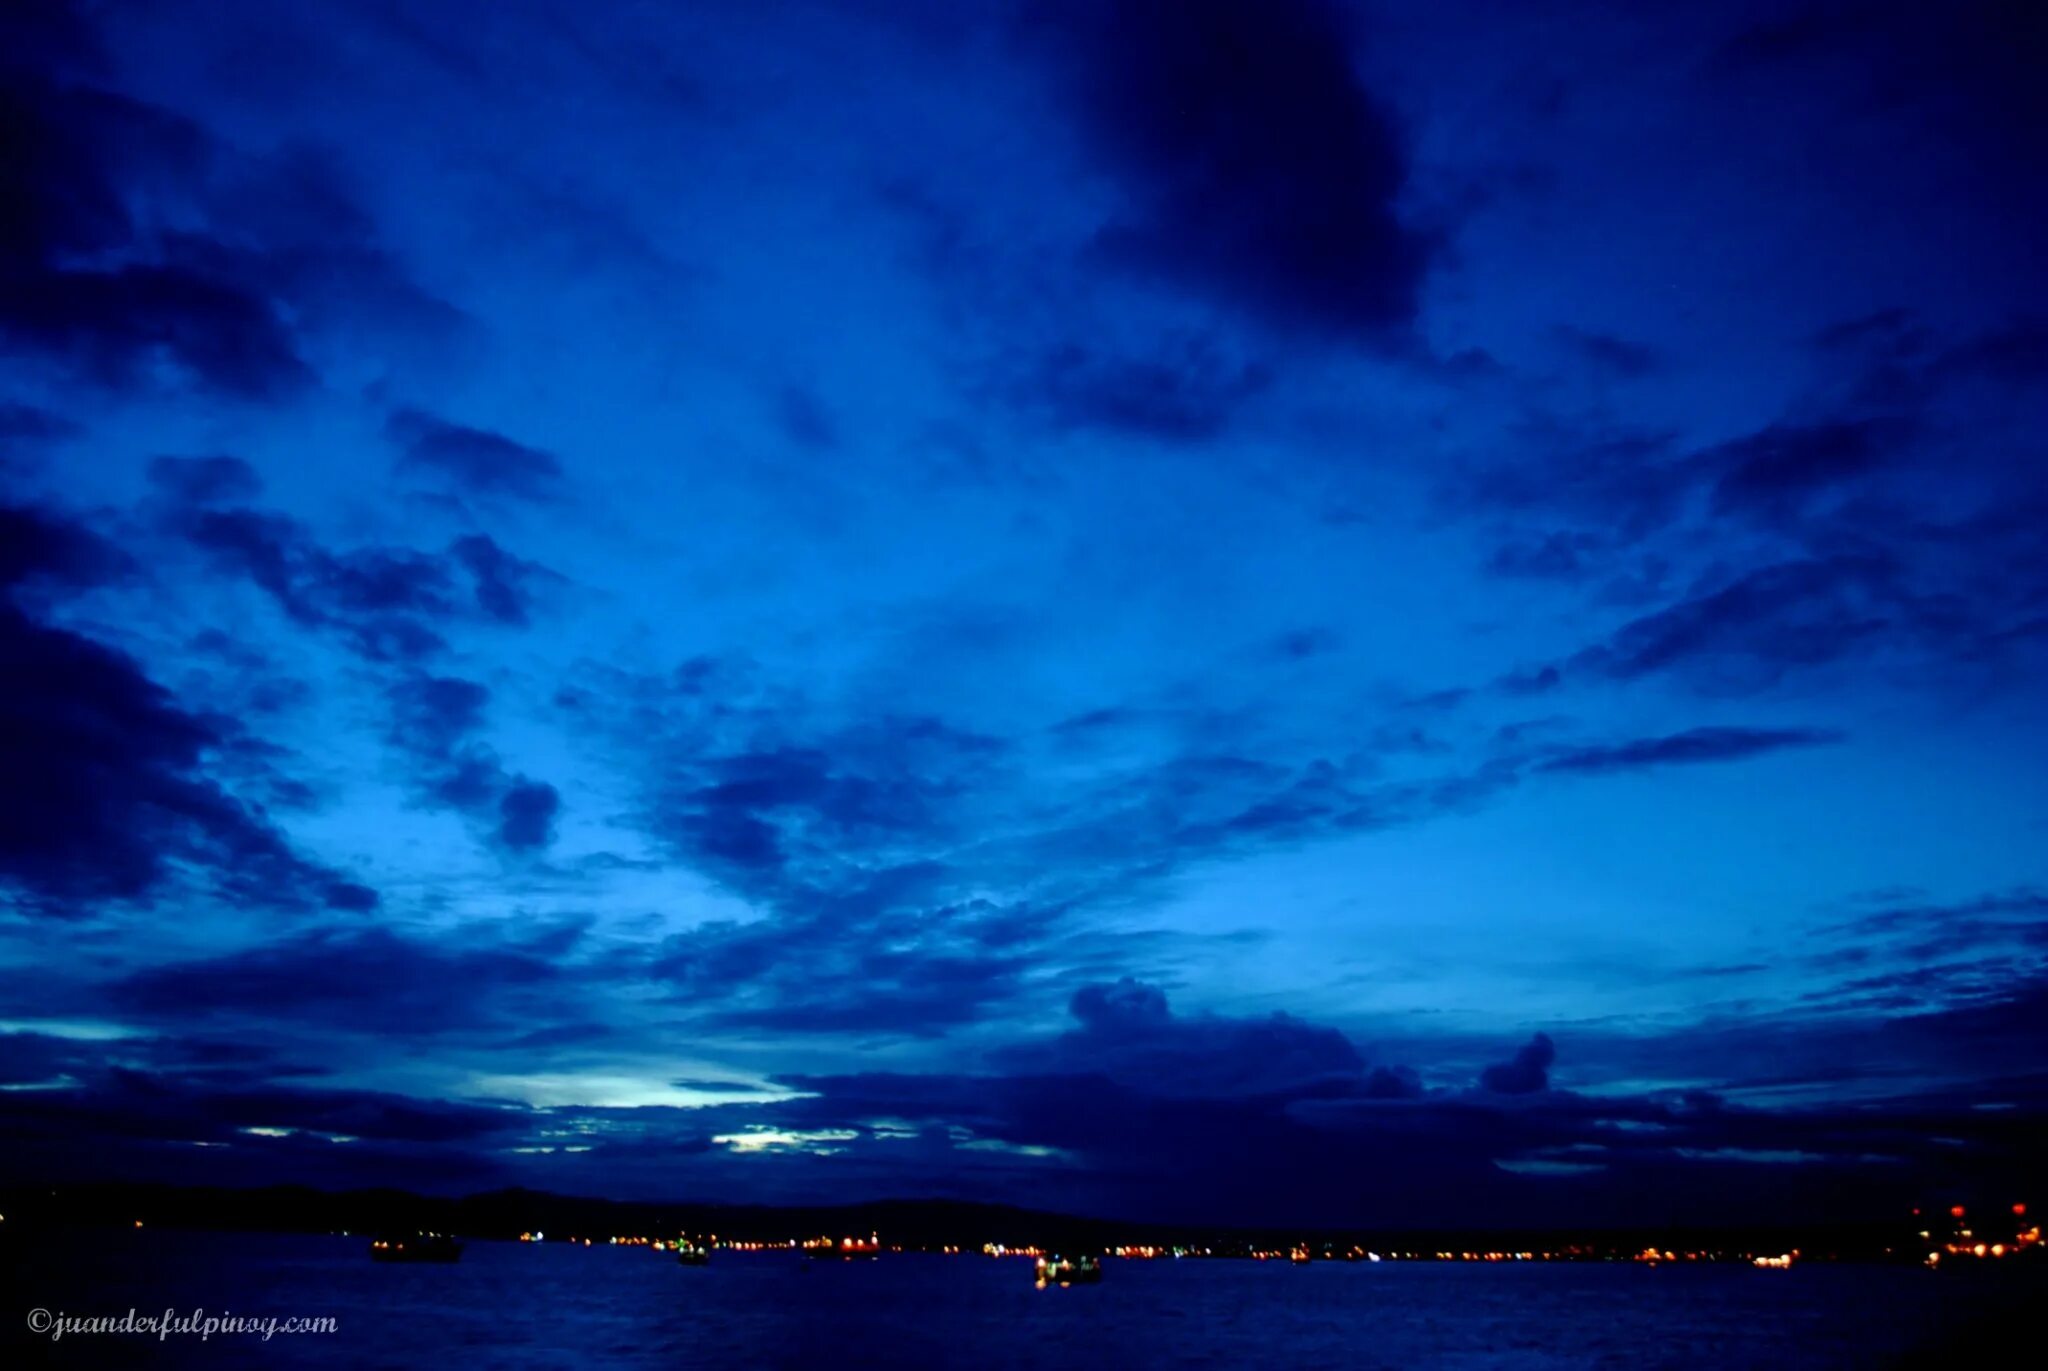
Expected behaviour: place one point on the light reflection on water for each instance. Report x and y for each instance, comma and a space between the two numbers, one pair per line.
511, 1305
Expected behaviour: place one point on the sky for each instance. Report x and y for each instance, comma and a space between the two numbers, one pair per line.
1227, 611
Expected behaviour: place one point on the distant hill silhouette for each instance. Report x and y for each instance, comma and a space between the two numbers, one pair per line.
910, 1223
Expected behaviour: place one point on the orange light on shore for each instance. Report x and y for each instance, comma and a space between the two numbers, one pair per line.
1956, 1213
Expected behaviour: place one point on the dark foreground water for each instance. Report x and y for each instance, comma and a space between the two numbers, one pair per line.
508, 1305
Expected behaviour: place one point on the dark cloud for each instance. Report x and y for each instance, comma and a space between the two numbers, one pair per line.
1691, 747
1630, 486
39, 547
30, 425
109, 796
2016, 354
1128, 1032
770, 819
1882, 525
528, 810
1530, 681
915, 858
562, 1035
1124, 1006
1377, 1147
474, 459
874, 961
1624, 511
1525, 1073
28, 1059
387, 603
1803, 31
1968, 74
96, 278
169, 1125
381, 599
1089, 1144
1762, 624
356, 979
351, 897
1965, 1011
1895, 365
64, 291
1135, 1112
1259, 167
503, 584
205, 480
112, 324
289, 223
1559, 555
436, 722
1780, 467
1958, 983
1392, 1083
1616, 356
1187, 393
110, 792
433, 715
2024, 907
1626, 482
362, 1114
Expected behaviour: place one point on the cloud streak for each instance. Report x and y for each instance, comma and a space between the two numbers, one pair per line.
1690, 748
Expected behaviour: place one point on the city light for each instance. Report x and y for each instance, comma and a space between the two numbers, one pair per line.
1943, 1242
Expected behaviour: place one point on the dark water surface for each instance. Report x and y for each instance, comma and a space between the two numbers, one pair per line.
511, 1305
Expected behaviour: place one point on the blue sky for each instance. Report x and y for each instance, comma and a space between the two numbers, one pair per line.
1279, 611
